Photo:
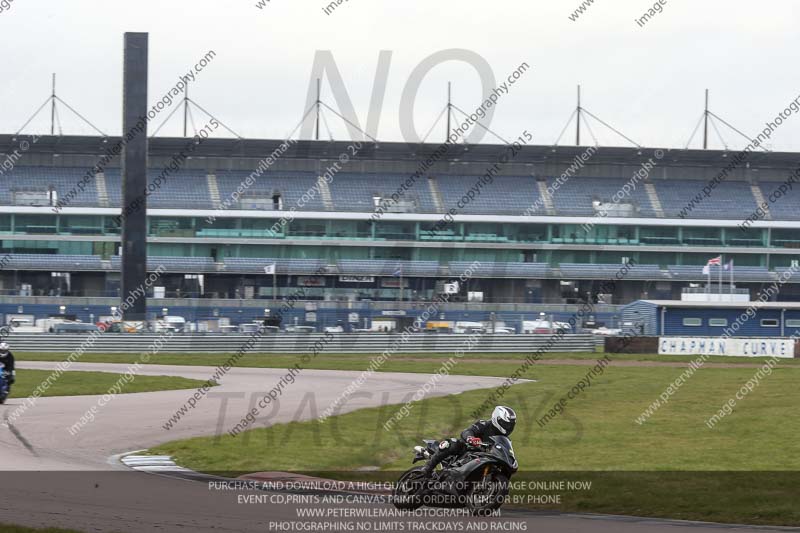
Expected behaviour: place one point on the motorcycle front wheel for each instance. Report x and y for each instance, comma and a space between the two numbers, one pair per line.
487, 494
406, 492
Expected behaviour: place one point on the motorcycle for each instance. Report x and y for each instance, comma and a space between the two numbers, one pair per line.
4, 389
478, 480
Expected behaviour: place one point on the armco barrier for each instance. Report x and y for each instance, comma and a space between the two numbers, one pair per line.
283, 343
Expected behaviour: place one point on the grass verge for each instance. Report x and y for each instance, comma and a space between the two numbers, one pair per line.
331, 361
91, 383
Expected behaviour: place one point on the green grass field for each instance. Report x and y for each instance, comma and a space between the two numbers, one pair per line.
91, 383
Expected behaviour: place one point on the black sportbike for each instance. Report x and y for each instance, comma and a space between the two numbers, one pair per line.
477, 480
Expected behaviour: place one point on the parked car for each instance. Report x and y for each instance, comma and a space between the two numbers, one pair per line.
301, 329
73, 327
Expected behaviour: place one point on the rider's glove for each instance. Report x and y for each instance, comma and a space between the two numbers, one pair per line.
474, 441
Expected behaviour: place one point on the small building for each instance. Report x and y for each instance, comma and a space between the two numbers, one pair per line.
711, 319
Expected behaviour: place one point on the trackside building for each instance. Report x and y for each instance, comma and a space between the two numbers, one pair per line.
712, 319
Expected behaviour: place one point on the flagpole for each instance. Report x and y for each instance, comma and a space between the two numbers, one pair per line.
719, 266
400, 294
731, 276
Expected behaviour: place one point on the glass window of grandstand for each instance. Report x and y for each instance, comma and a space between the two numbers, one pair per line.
5, 223
569, 233
718, 322
35, 224
748, 237
693, 322
218, 227
111, 226
80, 225
659, 235
528, 232
350, 229
605, 234
308, 228
403, 254
702, 236
483, 232
171, 227
440, 231
395, 231
261, 228
785, 238
769, 322
558, 257
792, 323
440, 255
661, 259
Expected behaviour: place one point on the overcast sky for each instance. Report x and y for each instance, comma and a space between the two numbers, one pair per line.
646, 81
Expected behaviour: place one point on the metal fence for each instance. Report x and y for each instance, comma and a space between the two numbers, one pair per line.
283, 343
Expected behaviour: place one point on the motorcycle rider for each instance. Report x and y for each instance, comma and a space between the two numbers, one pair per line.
7, 364
502, 423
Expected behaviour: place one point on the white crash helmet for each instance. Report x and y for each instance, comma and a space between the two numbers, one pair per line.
504, 419
3, 349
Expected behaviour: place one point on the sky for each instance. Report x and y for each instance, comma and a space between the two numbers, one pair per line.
647, 81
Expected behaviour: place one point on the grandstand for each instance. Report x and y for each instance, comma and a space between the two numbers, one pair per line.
557, 253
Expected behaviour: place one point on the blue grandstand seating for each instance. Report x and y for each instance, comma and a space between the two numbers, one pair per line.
740, 273
502, 270
730, 199
290, 185
355, 192
62, 179
53, 262
184, 188
387, 267
253, 265
506, 195
574, 197
610, 272
173, 264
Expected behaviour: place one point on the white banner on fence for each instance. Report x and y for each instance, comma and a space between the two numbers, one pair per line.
739, 347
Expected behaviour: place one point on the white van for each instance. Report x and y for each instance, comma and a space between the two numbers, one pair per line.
166, 323
468, 327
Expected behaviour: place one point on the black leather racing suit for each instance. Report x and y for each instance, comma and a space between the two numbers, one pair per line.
483, 429
7, 366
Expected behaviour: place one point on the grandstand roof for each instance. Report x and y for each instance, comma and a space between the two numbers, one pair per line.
392, 151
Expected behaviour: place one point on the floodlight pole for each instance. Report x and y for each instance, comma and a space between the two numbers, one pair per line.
134, 178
